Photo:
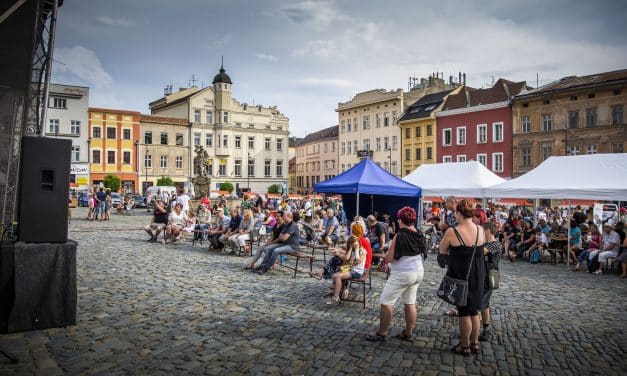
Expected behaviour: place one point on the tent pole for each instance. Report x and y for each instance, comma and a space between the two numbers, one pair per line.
420, 211
357, 210
536, 205
568, 247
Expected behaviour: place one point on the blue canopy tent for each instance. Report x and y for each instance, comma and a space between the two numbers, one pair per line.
369, 187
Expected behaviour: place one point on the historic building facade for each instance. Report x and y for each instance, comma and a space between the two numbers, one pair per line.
164, 150
67, 118
418, 125
114, 147
571, 116
246, 145
369, 122
316, 158
476, 124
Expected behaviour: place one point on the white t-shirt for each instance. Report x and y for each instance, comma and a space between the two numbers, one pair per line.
179, 219
542, 239
406, 264
361, 267
183, 200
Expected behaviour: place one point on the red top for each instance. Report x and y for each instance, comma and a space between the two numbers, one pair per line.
365, 243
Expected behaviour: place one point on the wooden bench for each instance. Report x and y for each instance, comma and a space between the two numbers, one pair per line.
365, 279
298, 255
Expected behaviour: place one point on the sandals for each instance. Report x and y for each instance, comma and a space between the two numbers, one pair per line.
376, 337
404, 337
334, 301
461, 350
345, 293
475, 347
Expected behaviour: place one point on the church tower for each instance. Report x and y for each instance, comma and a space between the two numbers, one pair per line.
222, 88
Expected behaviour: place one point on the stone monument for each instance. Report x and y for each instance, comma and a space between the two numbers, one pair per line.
202, 181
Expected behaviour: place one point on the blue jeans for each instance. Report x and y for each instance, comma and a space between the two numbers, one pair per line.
272, 252
583, 256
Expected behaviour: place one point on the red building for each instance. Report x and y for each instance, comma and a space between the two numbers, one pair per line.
476, 124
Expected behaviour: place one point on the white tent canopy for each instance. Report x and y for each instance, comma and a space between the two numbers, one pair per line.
593, 177
465, 179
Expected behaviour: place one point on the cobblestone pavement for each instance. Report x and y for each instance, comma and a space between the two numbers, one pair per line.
178, 309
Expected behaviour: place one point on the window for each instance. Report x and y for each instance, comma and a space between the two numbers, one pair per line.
164, 138
225, 117
591, 117
147, 138
222, 167
482, 133
209, 139
393, 117
342, 148
238, 142
407, 132
343, 127
483, 159
196, 139
377, 118
148, 161
447, 159
279, 168
366, 144
251, 167
386, 143
279, 144
378, 144
209, 117
238, 167
196, 116
53, 126
497, 162
97, 133
76, 153
394, 142
418, 154
591, 149
126, 157
461, 135
429, 152
355, 147
417, 131
266, 144
461, 158
75, 127
525, 124
573, 149
573, 119
179, 139
525, 156
126, 134
225, 140
179, 162
366, 121
251, 143
386, 119
429, 130
447, 137
238, 125
547, 122
326, 147
497, 132
349, 148
617, 115
547, 151
333, 147
163, 161
348, 125
59, 103
407, 154
95, 156
617, 148
266, 168
591, 96
110, 132
110, 156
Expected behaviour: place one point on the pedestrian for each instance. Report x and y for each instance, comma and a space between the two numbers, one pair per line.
108, 202
404, 257
491, 256
101, 198
461, 249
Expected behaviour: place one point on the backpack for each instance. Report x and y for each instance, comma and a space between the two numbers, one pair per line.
535, 257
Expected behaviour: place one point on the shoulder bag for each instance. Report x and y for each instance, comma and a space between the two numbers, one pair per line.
453, 290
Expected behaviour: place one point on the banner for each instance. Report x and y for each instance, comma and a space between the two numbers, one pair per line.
605, 213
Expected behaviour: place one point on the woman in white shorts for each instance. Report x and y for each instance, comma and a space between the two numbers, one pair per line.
405, 260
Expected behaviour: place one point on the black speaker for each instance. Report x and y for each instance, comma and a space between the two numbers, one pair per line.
44, 188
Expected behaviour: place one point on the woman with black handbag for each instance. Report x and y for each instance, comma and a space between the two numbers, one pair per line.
463, 284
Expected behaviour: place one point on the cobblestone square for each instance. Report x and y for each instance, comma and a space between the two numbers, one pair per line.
148, 308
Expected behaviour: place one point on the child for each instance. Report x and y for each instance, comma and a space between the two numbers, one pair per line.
541, 243
355, 261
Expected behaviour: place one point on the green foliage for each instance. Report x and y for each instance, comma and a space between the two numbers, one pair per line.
112, 182
226, 186
274, 188
165, 181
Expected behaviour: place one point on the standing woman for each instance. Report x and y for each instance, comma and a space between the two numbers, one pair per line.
404, 257
491, 255
456, 250
108, 201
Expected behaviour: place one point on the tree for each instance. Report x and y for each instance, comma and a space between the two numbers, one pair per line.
274, 188
226, 186
112, 182
165, 181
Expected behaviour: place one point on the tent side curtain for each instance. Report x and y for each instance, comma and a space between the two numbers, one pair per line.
380, 203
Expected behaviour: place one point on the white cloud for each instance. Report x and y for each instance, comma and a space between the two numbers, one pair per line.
110, 21
267, 57
220, 41
82, 63
325, 82
317, 14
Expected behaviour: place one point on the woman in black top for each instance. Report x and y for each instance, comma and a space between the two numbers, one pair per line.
527, 239
159, 220
457, 249
491, 255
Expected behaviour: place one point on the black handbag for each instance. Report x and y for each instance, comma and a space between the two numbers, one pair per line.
453, 290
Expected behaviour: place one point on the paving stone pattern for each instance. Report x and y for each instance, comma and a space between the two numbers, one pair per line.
178, 309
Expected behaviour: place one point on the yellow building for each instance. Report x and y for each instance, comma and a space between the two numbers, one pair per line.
418, 131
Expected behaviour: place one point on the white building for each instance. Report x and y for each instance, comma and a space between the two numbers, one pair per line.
67, 117
246, 145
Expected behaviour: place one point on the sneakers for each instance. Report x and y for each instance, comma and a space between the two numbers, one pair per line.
334, 301
486, 334
598, 272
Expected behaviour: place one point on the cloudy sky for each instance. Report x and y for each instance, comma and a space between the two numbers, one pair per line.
306, 56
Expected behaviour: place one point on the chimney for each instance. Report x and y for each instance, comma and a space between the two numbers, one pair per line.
464, 78
450, 80
460, 78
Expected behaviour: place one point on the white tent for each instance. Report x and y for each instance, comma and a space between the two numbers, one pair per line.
594, 177
464, 179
